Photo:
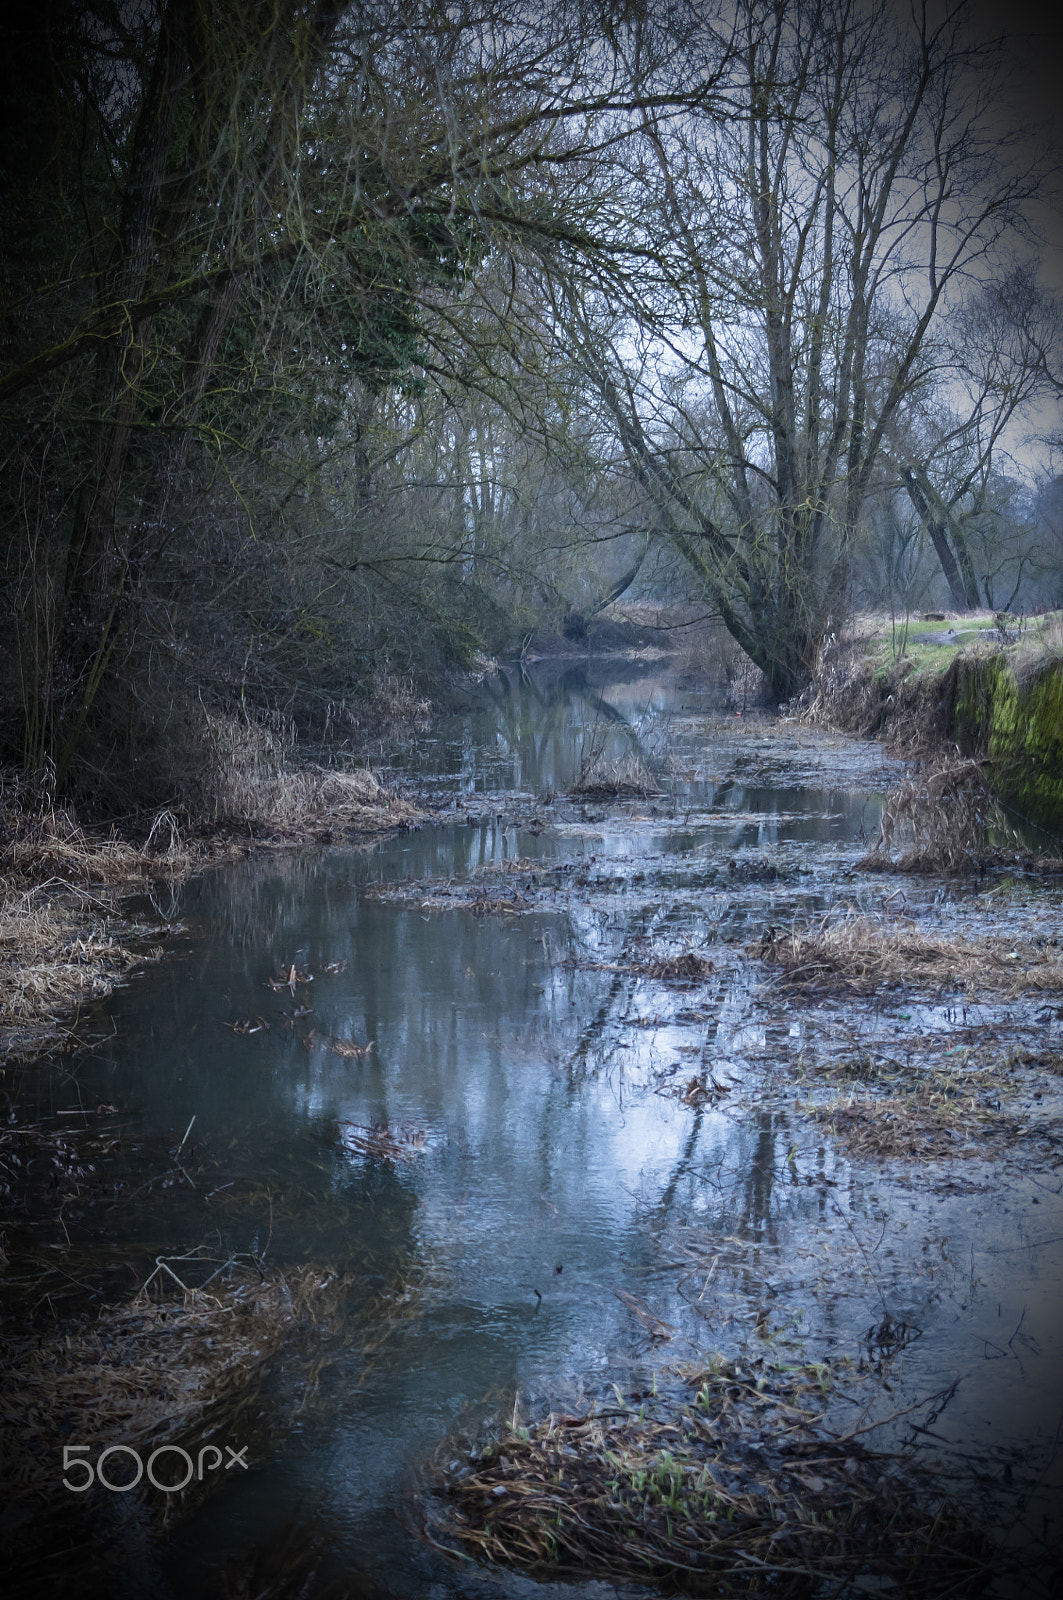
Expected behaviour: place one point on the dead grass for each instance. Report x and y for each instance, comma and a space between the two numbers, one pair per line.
63, 939
862, 954
941, 819
733, 1488
623, 779
58, 952
252, 777
931, 1121
150, 1370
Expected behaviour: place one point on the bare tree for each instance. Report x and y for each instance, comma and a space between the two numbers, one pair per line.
254, 210
950, 449
810, 243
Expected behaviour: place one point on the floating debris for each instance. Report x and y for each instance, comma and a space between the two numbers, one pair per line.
483, 905
339, 1047
655, 1326
384, 1141
246, 1025
290, 979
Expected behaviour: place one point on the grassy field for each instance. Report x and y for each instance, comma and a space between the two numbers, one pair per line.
931, 644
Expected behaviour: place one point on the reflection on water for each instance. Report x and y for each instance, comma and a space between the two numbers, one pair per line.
545, 1069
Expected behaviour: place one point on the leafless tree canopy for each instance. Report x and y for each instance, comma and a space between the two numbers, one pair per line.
323, 317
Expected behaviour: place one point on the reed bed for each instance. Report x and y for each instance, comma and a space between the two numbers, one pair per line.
733, 1487
862, 954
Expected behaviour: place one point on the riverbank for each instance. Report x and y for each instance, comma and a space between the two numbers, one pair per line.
654, 1084
79, 904
976, 702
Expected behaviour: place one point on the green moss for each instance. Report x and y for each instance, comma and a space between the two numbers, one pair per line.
1018, 724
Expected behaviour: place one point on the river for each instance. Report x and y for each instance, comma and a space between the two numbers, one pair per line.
584, 1138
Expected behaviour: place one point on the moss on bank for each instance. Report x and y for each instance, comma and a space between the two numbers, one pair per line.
1014, 718
1001, 707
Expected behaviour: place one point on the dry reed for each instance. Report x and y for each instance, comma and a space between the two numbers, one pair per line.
623, 779
941, 819
861, 954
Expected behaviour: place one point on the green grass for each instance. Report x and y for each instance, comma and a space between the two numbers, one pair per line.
886, 642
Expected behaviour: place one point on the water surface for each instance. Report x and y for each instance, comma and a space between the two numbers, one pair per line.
560, 1162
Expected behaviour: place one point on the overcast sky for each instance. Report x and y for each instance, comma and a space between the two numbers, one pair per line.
1034, 33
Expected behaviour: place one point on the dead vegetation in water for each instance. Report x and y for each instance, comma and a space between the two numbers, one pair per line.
58, 952
931, 1121
45, 1165
247, 773
859, 955
686, 969
186, 1352
63, 940
734, 1488
450, 897
347, 1048
754, 869
941, 819
298, 1563
321, 802
383, 1141
625, 779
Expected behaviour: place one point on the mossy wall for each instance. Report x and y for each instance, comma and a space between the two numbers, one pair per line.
1016, 720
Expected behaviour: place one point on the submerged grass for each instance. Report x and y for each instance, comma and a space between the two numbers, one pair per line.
860, 954
928, 1122
734, 1488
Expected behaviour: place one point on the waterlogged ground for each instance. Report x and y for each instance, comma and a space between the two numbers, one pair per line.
526, 1078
